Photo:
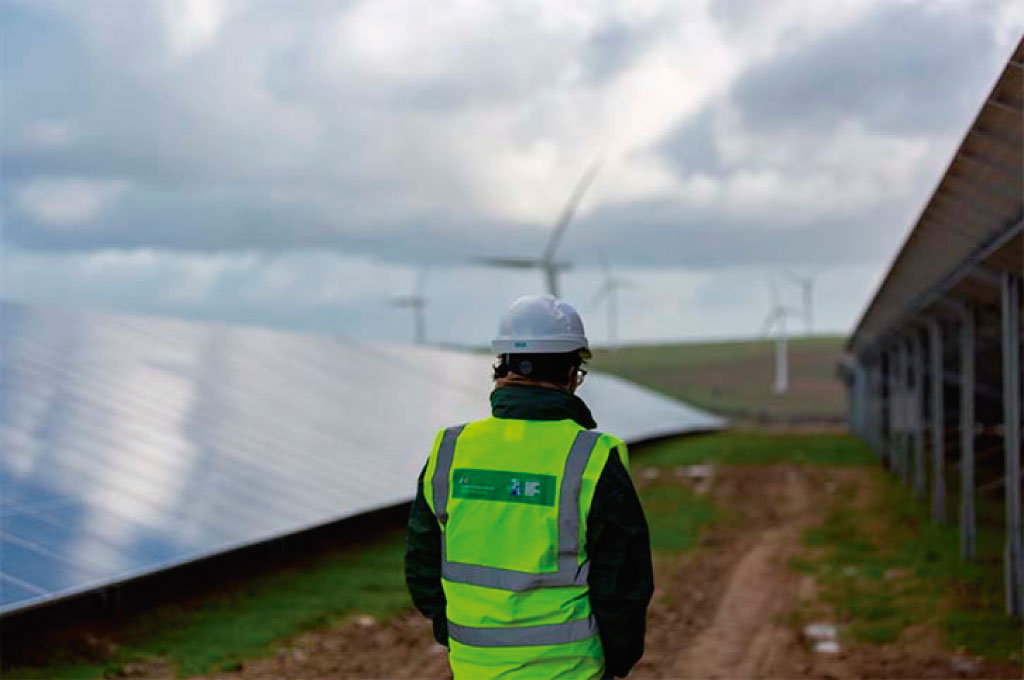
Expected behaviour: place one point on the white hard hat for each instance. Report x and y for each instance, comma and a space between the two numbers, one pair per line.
540, 324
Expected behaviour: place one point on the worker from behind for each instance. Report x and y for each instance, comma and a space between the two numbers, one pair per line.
527, 545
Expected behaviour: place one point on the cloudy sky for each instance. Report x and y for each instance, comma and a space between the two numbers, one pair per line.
295, 163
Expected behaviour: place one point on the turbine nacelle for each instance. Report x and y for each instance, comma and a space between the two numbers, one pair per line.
522, 263
546, 262
417, 302
408, 301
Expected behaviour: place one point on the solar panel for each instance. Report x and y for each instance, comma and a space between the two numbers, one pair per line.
134, 444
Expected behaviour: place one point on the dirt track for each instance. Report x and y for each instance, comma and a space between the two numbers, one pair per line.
721, 611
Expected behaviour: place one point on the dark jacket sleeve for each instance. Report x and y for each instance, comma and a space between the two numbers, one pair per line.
423, 563
621, 575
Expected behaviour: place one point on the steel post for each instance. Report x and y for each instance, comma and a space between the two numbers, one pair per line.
1011, 433
919, 397
967, 516
890, 410
879, 405
938, 429
858, 399
899, 426
906, 410
872, 405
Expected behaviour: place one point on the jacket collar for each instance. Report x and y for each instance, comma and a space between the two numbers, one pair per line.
529, 402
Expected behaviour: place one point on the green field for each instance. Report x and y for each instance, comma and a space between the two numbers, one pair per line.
735, 378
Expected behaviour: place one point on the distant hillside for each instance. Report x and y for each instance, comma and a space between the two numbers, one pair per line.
735, 378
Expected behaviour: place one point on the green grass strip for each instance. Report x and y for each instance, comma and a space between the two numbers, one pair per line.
247, 621
888, 567
675, 516
758, 448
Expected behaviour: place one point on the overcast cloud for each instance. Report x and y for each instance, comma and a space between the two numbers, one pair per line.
295, 163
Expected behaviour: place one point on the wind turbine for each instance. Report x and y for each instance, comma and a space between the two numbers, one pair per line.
610, 289
776, 318
417, 302
806, 284
547, 263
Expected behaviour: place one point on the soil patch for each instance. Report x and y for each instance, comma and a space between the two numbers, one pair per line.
361, 648
727, 609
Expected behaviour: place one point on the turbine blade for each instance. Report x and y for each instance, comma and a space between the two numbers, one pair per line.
570, 209
602, 291
510, 262
551, 278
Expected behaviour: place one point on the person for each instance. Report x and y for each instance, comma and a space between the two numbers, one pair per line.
527, 545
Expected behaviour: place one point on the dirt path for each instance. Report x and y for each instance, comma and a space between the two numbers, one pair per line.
748, 633
729, 609
724, 610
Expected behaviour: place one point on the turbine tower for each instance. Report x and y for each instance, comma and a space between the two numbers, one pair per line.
547, 263
609, 289
777, 315
417, 302
806, 284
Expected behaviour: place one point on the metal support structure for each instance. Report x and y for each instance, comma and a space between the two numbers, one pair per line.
909, 416
859, 399
1014, 556
967, 516
891, 410
938, 428
939, 290
987, 276
907, 411
879, 405
899, 411
872, 404
892, 413
919, 410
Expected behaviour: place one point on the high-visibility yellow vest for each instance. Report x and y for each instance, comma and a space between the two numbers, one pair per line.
512, 499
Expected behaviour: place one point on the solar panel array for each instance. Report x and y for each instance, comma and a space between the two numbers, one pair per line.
134, 444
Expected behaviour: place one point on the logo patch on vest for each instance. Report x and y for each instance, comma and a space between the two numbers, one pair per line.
509, 487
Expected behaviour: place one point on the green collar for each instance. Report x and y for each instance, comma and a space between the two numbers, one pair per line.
529, 402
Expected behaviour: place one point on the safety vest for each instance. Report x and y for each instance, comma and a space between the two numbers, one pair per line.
512, 499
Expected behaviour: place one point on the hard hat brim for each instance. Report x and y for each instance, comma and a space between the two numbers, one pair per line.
540, 346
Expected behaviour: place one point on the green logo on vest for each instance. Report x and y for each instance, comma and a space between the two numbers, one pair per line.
508, 487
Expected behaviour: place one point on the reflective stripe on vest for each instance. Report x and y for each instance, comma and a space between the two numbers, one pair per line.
569, 572
523, 636
445, 454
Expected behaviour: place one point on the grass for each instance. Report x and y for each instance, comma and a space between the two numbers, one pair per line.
886, 567
675, 516
735, 378
248, 620
758, 448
